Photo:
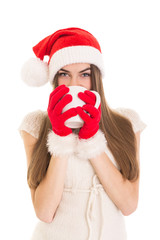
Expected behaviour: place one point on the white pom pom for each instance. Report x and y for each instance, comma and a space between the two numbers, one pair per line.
35, 72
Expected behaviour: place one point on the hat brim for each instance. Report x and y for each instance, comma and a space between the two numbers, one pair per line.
74, 54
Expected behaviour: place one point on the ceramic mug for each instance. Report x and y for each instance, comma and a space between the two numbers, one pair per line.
76, 121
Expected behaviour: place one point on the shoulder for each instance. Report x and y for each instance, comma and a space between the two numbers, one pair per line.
31, 123
134, 117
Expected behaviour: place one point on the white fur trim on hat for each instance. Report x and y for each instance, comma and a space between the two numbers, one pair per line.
74, 54
61, 146
92, 147
35, 72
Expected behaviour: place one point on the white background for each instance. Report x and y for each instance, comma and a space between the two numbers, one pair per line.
128, 32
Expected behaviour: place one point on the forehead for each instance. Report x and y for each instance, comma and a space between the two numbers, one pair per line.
76, 66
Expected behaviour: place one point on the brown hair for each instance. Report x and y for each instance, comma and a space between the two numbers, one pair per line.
117, 129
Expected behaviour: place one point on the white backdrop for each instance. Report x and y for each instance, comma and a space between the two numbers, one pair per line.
129, 35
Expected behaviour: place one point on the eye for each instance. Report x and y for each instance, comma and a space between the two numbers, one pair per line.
62, 74
86, 75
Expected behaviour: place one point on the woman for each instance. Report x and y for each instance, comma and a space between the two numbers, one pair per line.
82, 181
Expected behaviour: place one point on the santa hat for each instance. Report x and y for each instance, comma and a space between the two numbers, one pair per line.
65, 46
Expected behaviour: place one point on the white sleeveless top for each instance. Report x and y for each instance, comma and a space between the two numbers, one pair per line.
85, 211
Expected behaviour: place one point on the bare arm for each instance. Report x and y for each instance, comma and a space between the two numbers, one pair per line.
47, 196
123, 193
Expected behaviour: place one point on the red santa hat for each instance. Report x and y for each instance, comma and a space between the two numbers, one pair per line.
65, 46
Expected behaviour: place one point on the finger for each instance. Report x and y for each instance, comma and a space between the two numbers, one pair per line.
90, 94
66, 130
91, 110
87, 99
56, 90
62, 103
55, 98
69, 113
85, 117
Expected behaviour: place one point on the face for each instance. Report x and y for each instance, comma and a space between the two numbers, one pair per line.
76, 74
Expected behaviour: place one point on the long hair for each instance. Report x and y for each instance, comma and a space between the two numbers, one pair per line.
116, 128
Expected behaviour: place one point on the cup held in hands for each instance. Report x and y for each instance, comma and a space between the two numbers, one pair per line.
77, 122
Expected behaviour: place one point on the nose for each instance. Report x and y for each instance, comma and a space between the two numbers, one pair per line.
73, 81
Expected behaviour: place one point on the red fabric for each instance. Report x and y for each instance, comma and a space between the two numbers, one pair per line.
57, 101
89, 114
64, 38
88, 97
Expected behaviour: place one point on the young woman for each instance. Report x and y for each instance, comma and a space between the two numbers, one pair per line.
82, 181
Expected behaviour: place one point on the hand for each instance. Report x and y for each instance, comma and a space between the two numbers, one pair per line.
91, 120
88, 97
57, 101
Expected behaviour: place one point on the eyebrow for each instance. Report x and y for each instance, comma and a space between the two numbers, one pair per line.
85, 70
62, 69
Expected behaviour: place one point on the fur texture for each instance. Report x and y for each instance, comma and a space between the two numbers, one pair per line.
61, 146
35, 72
72, 145
91, 147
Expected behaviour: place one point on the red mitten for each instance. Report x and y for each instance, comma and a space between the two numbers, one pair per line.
91, 120
57, 101
88, 97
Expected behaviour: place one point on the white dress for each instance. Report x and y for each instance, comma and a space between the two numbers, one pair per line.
85, 211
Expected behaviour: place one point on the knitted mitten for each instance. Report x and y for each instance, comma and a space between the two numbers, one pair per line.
61, 141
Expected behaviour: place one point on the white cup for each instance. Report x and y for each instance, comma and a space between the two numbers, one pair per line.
77, 122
